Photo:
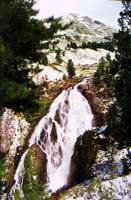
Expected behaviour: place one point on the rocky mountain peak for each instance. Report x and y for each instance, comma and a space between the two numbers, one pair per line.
83, 28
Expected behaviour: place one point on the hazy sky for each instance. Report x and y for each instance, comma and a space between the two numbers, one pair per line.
106, 11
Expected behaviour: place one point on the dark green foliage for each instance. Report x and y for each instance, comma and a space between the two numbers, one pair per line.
20, 30
21, 36
70, 68
117, 78
84, 45
95, 45
58, 56
72, 45
103, 75
44, 60
123, 65
55, 25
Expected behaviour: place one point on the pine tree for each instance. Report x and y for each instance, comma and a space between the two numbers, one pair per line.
70, 68
21, 36
58, 56
122, 64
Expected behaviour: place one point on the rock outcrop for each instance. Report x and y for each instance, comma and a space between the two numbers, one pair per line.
84, 155
83, 29
118, 188
98, 108
13, 131
35, 174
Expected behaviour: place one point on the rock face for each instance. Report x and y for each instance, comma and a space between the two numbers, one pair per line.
35, 173
83, 158
118, 188
100, 113
13, 131
83, 29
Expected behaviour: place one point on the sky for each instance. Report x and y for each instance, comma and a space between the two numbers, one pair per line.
106, 11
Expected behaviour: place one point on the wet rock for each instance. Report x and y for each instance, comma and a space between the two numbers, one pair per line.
83, 157
96, 102
57, 117
53, 133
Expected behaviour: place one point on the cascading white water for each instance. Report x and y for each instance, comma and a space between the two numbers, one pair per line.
19, 175
69, 117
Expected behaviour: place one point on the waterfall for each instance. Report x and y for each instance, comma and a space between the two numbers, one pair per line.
69, 117
19, 175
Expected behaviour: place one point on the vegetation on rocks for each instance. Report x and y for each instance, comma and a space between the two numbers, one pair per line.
2, 171
35, 175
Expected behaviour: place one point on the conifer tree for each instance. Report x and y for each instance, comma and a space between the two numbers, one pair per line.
122, 65
21, 36
70, 68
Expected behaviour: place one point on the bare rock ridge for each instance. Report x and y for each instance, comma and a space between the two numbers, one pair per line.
84, 29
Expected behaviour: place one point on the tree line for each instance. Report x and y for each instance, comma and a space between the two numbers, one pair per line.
117, 76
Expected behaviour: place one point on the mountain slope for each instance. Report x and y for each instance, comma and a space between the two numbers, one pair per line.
84, 29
